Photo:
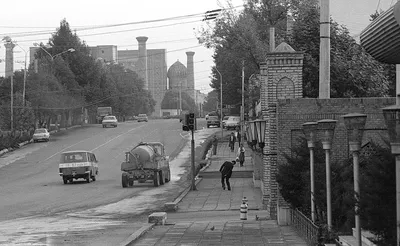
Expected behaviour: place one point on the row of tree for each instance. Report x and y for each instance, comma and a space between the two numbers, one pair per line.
64, 83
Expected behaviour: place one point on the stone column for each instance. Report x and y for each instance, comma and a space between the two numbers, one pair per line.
9, 59
281, 77
142, 68
190, 74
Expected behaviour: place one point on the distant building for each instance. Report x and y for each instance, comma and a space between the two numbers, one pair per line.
149, 64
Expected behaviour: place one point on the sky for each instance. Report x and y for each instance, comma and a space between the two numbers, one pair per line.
28, 22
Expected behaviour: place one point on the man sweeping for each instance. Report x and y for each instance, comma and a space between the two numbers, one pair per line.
226, 173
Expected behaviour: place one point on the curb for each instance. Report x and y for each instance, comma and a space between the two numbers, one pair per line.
173, 206
4, 151
137, 234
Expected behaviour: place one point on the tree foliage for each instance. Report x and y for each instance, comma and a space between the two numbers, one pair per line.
69, 79
354, 73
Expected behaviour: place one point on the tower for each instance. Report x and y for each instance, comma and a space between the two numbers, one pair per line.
9, 59
142, 62
190, 74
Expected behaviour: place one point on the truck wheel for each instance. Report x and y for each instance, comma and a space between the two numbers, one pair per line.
124, 180
65, 180
88, 178
156, 179
94, 177
161, 177
130, 182
168, 178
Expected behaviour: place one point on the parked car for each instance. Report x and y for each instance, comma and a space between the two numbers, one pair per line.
78, 164
233, 122
213, 121
109, 120
142, 117
41, 134
224, 121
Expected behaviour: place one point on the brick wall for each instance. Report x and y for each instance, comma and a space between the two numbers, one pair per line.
292, 113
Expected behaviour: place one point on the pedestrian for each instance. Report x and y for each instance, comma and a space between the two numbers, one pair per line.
215, 144
239, 137
232, 140
240, 155
226, 173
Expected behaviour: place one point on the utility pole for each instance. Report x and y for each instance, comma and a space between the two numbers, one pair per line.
242, 108
222, 115
325, 53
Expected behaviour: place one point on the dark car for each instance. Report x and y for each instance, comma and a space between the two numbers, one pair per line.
213, 121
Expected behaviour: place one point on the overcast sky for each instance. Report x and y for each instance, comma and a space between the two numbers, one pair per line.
24, 20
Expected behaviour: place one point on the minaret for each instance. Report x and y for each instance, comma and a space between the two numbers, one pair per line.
9, 59
190, 74
142, 68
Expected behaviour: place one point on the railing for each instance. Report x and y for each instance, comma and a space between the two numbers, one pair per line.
305, 227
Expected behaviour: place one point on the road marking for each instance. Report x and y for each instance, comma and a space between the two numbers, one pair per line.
57, 153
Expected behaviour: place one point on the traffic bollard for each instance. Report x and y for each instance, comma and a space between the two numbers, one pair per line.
243, 210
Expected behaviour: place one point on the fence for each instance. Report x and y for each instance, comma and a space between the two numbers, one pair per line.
305, 227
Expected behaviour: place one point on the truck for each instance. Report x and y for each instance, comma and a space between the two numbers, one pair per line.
146, 161
101, 112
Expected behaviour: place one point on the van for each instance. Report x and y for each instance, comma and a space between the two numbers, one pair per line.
78, 164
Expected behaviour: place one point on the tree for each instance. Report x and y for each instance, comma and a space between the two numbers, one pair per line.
211, 101
354, 73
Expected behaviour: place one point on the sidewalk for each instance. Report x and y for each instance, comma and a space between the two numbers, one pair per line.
211, 215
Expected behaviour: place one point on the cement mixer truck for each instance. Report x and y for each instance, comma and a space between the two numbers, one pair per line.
146, 161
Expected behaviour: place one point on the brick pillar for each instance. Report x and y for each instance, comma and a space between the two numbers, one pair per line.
281, 77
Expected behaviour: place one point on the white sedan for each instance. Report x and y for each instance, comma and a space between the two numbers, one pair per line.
109, 120
41, 134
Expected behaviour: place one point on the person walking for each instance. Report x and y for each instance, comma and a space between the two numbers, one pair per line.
239, 137
226, 173
240, 155
232, 140
215, 144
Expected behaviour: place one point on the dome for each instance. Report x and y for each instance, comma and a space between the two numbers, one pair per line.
177, 71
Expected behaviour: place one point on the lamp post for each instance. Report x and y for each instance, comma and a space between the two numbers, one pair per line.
355, 124
310, 131
222, 115
260, 126
53, 56
253, 133
392, 119
327, 127
23, 91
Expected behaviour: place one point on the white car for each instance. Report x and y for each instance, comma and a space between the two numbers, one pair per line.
41, 134
224, 120
233, 122
109, 120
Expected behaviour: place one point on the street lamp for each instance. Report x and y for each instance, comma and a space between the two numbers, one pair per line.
260, 127
327, 127
253, 133
310, 131
355, 124
53, 56
222, 116
392, 119
23, 91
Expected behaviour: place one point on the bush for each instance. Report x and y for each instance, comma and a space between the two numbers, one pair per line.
377, 189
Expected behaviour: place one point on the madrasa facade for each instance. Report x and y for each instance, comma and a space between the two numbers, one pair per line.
151, 66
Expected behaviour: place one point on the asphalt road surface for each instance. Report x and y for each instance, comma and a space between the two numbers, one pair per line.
29, 180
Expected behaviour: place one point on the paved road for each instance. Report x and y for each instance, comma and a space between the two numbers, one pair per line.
35, 202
